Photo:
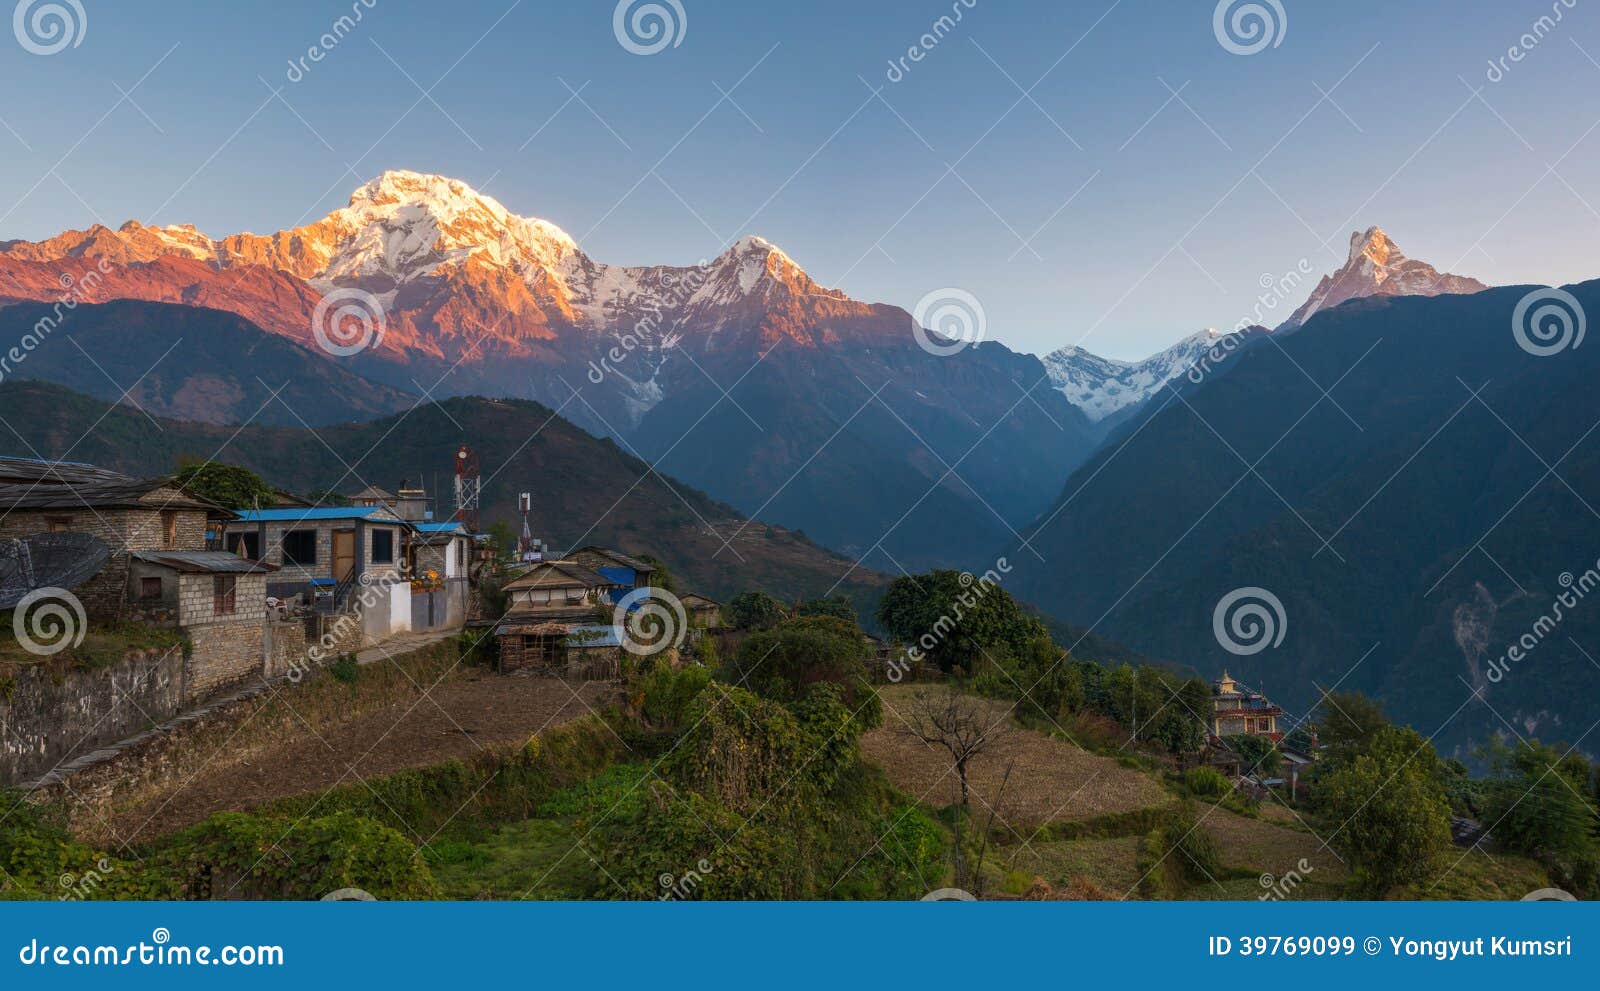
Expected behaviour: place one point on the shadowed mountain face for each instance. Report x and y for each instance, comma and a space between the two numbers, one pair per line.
1414, 523
584, 490
748, 377
188, 363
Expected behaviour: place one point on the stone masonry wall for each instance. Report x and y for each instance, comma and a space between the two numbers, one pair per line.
49, 715
228, 647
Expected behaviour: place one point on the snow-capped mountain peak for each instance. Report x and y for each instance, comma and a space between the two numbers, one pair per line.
1377, 267
1102, 387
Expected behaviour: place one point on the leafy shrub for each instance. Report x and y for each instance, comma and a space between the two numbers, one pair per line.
240, 855
1206, 782
1181, 854
345, 669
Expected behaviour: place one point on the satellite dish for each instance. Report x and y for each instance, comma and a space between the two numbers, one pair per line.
46, 560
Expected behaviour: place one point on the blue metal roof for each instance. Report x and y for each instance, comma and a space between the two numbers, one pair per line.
306, 514
450, 527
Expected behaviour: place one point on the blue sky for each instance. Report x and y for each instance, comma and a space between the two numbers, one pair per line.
1099, 209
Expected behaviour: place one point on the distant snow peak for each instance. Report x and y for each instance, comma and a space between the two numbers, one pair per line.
1376, 266
1102, 387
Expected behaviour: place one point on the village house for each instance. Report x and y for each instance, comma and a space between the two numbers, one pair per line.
159, 568
551, 618
127, 514
1236, 710
334, 559
560, 590
439, 556
702, 611
628, 573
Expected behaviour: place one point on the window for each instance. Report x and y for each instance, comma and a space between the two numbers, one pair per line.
383, 547
223, 588
300, 547
59, 524
150, 588
169, 528
247, 545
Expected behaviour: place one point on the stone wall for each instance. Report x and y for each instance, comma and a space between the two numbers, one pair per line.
48, 715
286, 647
228, 647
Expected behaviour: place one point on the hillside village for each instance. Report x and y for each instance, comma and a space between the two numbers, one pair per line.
202, 640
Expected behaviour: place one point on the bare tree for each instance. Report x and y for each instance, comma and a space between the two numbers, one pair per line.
962, 726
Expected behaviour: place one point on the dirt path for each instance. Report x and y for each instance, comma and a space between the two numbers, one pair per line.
457, 719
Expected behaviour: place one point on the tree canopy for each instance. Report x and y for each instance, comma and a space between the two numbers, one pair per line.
229, 486
954, 619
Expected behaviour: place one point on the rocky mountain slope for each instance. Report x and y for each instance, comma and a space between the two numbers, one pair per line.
1377, 267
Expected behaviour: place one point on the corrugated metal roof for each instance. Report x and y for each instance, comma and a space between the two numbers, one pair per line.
450, 527
296, 514
212, 562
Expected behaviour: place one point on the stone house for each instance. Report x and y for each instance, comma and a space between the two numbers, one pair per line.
129, 515
219, 601
334, 558
159, 569
702, 611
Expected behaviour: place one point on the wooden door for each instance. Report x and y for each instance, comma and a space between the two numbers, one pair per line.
344, 554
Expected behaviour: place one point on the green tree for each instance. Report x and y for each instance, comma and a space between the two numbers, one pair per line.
229, 486
663, 577
504, 540
1258, 754
838, 606
754, 610
1348, 724
954, 619
1536, 805
1390, 806
783, 662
